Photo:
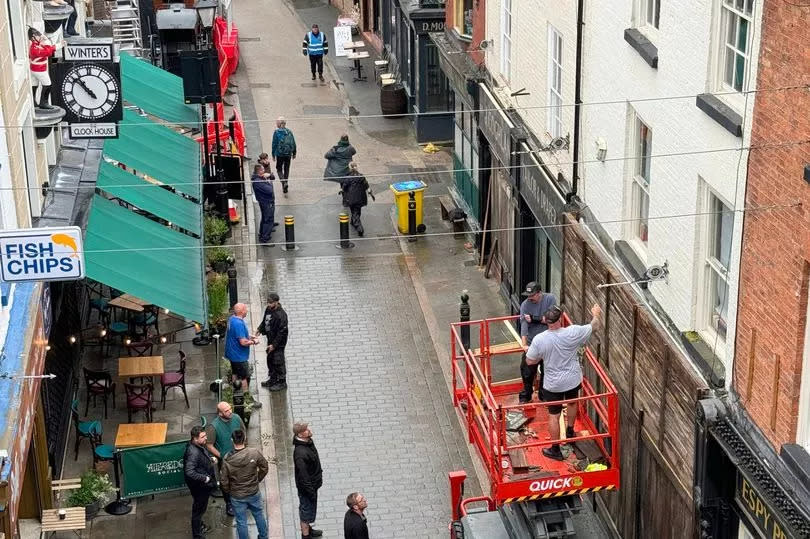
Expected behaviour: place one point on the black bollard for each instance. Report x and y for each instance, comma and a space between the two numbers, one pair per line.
464, 316
411, 213
233, 294
343, 219
289, 233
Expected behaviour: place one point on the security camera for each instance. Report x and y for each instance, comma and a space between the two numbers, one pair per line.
656, 273
484, 45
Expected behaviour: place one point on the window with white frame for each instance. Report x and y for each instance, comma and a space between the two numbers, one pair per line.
720, 220
554, 123
640, 189
649, 13
17, 29
736, 27
506, 39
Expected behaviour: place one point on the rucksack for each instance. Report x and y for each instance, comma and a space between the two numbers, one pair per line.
286, 146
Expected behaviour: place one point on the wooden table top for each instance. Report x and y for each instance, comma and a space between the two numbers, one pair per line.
75, 519
354, 45
359, 55
134, 299
129, 367
138, 434
124, 303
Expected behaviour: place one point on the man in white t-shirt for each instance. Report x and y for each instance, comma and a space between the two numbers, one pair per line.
558, 348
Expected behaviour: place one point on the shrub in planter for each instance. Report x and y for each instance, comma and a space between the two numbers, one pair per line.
215, 230
217, 297
218, 258
95, 490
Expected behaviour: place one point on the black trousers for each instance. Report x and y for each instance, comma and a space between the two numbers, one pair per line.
283, 169
316, 62
277, 367
198, 507
528, 374
355, 219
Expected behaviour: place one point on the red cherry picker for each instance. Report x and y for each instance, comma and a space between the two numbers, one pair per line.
530, 495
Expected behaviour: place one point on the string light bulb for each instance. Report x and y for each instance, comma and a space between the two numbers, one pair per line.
163, 340
103, 332
128, 341
165, 311
72, 339
47, 347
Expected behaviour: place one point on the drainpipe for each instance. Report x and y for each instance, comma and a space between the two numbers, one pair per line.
577, 99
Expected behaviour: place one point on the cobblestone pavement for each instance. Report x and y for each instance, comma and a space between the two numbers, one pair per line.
363, 371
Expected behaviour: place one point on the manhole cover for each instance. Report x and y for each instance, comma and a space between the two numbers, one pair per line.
260, 85
243, 39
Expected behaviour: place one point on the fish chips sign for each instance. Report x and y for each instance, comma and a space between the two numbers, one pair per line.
41, 254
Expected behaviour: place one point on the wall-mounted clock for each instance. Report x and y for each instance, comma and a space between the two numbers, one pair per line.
92, 92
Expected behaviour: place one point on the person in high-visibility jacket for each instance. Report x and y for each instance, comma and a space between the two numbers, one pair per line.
316, 46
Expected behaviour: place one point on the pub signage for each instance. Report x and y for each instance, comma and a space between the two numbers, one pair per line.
428, 26
495, 125
766, 519
541, 195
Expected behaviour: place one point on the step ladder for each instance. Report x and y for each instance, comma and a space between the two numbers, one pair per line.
126, 25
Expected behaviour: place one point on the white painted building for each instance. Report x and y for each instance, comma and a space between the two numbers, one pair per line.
644, 54
532, 47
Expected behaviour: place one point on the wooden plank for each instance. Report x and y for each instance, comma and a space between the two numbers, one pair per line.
75, 519
503, 348
518, 459
138, 434
511, 328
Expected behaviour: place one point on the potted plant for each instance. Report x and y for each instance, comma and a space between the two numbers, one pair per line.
95, 490
215, 230
218, 258
217, 298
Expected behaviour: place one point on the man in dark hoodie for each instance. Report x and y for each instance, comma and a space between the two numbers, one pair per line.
198, 468
354, 187
274, 327
308, 478
338, 159
263, 189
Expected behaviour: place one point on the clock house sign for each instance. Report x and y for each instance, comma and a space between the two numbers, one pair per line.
88, 86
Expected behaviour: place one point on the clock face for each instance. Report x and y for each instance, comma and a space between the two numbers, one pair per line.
91, 92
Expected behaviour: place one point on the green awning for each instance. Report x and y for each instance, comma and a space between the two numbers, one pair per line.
150, 197
156, 91
141, 257
157, 151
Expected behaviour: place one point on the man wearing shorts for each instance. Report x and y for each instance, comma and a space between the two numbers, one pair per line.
558, 348
237, 344
308, 478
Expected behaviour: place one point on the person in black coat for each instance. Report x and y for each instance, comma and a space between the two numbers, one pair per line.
263, 189
354, 188
354, 523
308, 478
200, 476
274, 327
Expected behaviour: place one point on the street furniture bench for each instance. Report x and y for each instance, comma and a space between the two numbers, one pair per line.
452, 213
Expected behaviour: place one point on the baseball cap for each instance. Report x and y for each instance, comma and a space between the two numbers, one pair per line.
532, 288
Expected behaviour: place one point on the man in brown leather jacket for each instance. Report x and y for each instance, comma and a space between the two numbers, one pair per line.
242, 471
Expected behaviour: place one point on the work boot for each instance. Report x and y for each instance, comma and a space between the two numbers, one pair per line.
320, 77
553, 452
314, 533
269, 382
278, 386
360, 230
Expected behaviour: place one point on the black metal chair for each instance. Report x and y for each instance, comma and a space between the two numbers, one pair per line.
84, 430
99, 384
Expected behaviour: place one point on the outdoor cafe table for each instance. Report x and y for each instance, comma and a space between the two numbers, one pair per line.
134, 367
126, 302
138, 434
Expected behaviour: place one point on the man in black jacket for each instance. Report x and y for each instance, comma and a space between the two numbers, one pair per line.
354, 523
355, 190
274, 327
308, 478
198, 467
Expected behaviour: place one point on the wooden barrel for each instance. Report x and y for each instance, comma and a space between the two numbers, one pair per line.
393, 101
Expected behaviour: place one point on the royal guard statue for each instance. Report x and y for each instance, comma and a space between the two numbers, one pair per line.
40, 51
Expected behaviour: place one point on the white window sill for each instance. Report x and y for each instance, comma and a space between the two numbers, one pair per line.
20, 74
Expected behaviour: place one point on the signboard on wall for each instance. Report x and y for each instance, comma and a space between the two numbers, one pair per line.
41, 254
343, 35
495, 126
541, 195
759, 510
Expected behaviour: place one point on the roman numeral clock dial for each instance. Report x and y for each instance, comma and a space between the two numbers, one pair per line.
91, 92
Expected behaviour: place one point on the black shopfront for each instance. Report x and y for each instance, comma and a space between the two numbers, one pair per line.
737, 494
414, 58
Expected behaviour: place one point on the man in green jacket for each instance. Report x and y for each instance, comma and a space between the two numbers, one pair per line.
219, 441
242, 471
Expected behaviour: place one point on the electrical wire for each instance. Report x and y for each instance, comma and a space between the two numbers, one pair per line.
347, 116
771, 207
452, 170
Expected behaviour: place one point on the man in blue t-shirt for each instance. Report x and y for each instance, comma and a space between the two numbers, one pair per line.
238, 341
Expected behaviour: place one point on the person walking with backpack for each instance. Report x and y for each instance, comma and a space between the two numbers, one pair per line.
284, 150
315, 46
243, 468
355, 188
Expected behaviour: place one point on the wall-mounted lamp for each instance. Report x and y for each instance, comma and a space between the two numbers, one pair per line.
601, 149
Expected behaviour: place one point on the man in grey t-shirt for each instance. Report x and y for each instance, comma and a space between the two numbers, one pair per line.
558, 348
532, 324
